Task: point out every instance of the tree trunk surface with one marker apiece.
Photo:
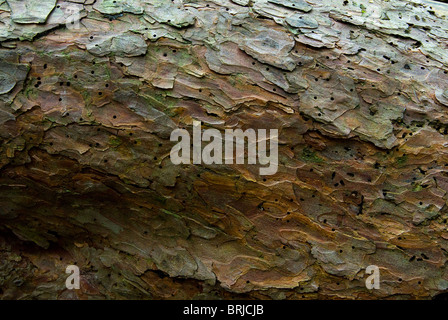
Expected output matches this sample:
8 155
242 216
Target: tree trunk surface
90 92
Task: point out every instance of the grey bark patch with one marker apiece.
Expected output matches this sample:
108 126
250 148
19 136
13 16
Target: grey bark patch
174 16
241 2
271 47
112 7
293 4
302 21
10 75
30 11
124 45
442 97
7 82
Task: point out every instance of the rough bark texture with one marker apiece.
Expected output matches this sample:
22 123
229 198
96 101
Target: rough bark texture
357 89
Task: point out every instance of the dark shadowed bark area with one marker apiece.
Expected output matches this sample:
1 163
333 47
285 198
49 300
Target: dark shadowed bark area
90 92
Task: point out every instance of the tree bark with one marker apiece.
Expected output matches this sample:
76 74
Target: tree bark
90 92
